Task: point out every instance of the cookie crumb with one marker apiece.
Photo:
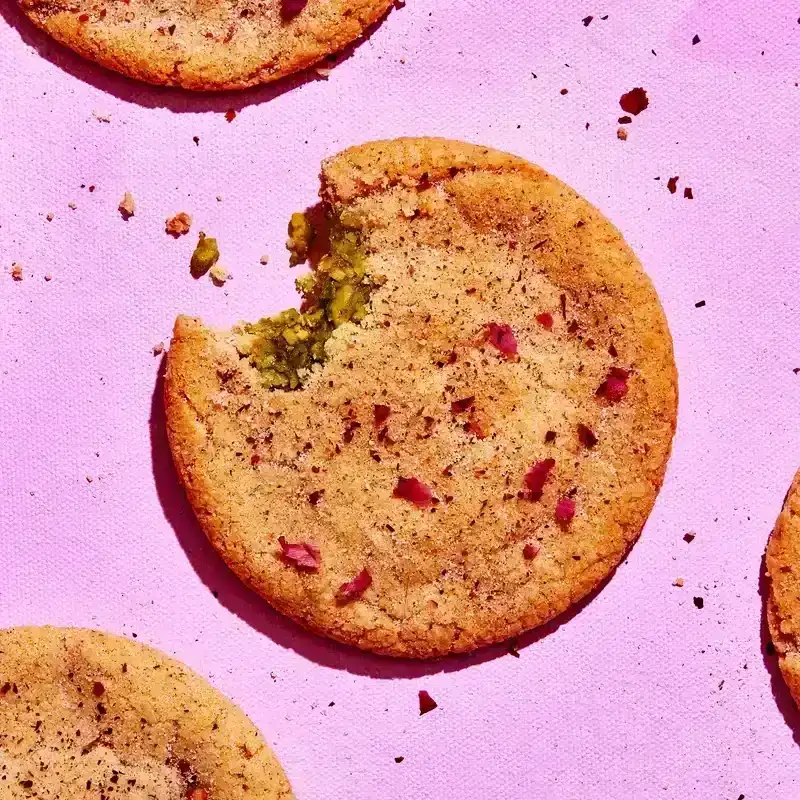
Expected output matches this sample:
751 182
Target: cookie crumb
698 602
695 39
49 216
622 134
72 206
89 479
179 224
126 206
700 304
323 72
689 537
263 260
587 21
688 194
672 184
230 115
48 277
16 271
219 198
678 582
564 91
101 117
398 759
196 140
158 349
219 275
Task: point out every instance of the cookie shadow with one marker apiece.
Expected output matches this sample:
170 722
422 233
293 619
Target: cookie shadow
175 99
259 615
780 691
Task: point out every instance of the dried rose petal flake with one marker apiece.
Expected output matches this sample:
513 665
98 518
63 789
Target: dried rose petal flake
586 437
565 510
530 551
536 477
460 406
353 589
634 102
502 337
301 555
545 320
426 703
615 386
381 414
414 491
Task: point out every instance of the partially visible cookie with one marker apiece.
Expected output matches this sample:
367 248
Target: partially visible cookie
87 714
205 44
464 428
783 601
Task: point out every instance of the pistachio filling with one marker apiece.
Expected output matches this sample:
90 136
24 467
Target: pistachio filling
285 346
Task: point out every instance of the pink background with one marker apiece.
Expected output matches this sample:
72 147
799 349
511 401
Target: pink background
625 699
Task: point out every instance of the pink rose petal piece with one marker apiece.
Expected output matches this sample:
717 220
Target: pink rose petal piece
536 477
302 555
381 414
545 320
565 510
426 703
414 491
353 589
460 406
615 386
502 337
530 551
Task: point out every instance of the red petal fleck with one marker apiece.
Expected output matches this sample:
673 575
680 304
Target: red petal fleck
460 406
381 414
353 589
197 794
537 475
615 386
634 102
672 184
230 115
475 428
565 510
426 703
302 555
530 551
414 491
545 320
586 437
688 194
502 337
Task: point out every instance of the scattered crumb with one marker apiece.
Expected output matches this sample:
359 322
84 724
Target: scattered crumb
622 134
72 206
230 115
699 303
689 537
688 194
796 370
91 189
672 184
179 224
89 479
158 349
126 206
219 275
587 21
635 101
323 72
264 260
196 140
273 676
564 91
398 759
626 120
678 582
698 602
16 271
695 39
101 117
48 277
219 198
49 216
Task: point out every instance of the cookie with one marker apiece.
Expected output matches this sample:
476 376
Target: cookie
783 600
204 45
463 431
87 714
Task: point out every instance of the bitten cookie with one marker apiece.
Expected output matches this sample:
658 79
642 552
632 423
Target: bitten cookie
87 714
783 601
463 430
205 45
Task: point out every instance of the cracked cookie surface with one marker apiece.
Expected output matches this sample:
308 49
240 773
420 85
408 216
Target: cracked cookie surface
473 456
87 714
205 45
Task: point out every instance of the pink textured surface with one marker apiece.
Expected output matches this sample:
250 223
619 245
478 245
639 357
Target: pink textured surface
624 700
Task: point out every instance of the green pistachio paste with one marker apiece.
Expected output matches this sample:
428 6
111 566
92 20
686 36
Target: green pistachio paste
286 345
205 255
